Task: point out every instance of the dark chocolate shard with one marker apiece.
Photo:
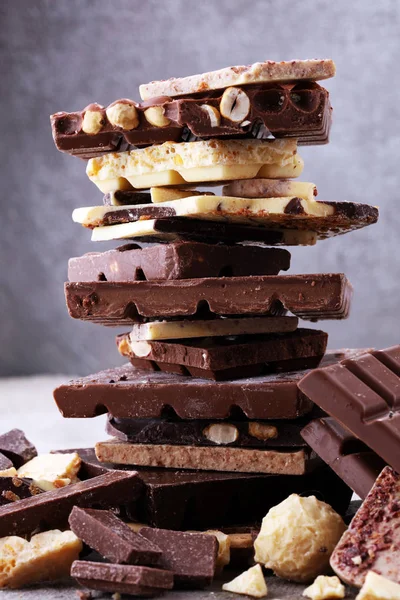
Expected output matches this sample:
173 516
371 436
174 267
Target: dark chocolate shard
13 489
102 531
352 460
17 447
5 463
192 557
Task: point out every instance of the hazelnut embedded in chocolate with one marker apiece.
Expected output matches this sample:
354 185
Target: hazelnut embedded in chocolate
123 114
221 433
155 116
234 105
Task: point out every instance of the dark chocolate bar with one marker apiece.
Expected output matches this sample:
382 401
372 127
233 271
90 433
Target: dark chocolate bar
181 260
102 531
363 395
120 197
17 447
5 462
299 110
13 489
124 579
132 393
313 297
352 460
51 509
230 357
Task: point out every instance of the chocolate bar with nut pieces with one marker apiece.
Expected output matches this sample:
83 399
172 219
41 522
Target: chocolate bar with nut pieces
13 489
313 297
363 395
17 447
233 357
262 111
352 460
180 260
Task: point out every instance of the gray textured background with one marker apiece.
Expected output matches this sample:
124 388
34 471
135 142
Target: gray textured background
63 55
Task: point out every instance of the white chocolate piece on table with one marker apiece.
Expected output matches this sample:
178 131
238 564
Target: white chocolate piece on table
52 471
249 583
325 588
270 188
377 587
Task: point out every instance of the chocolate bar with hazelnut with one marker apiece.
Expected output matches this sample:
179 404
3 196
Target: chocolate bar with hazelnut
179 260
300 110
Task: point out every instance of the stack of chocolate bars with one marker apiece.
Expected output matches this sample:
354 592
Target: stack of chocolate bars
208 405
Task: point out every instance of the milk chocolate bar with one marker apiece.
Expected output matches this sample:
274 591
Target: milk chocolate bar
222 358
313 297
192 557
124 579
301 111
126 392
363 395
352 460
371 542
51 509
17 447
13 489
180 260
102 531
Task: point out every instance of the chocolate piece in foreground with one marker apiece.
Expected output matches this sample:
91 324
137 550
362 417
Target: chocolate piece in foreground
17 447
13 489
239 434
180 260
51 509
192 557
312 297
102 531
372 540
124 579
126 392
352 460
229 357
245 460
363 395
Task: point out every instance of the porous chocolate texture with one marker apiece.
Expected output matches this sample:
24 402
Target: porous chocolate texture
301 110
181 260
312 297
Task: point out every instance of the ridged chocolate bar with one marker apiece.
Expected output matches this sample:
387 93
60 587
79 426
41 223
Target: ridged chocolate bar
181 260
126 392
363 394
313 297
352 460
233 357
299 110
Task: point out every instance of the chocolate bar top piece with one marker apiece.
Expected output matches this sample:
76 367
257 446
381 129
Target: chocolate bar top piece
313 297
190 556
243 434
372 540
352 460
124 579
17 447
129 392
5 463
295 110
363 395
102 531
259 72
180 260
51 509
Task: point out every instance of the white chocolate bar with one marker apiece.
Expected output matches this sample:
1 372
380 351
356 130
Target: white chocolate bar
166 194
260 72
270 188
203 161
52 471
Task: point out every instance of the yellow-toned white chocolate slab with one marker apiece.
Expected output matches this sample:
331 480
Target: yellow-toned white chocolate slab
52 471
168 330
166 194
259 72
270 188
176 163
11 472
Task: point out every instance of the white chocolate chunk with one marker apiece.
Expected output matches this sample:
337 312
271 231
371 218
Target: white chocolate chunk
270 188
250 583
377 587
170 330
165 194
52 471
224 548
47 557
11 472
259 72
325 588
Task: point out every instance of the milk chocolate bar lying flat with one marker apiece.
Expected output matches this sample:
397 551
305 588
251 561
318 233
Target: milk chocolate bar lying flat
352 460
129 392
17 447
372 541
299 110
222 358
319 296
124 579
363 394
51 509
181 260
